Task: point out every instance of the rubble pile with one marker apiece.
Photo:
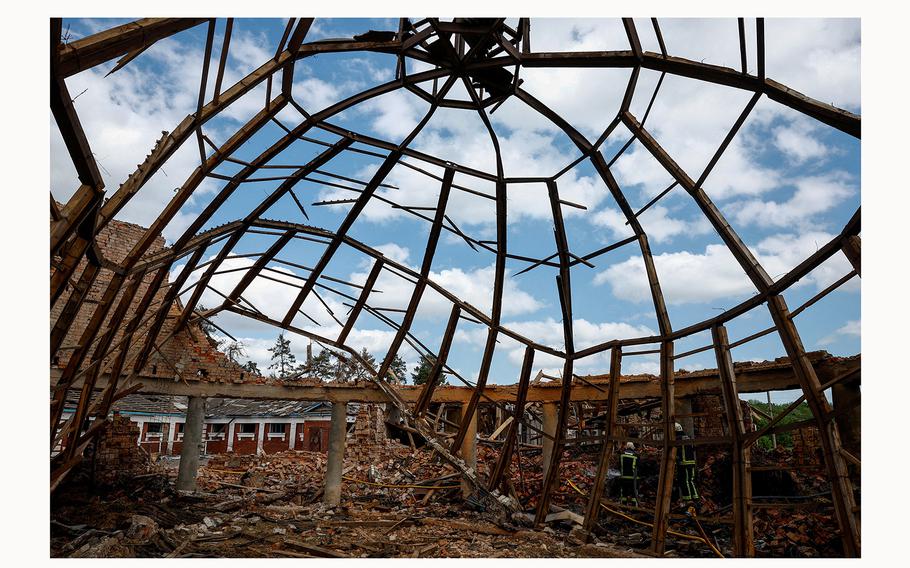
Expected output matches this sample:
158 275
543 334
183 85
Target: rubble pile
270 507
292 468
399 502
368 443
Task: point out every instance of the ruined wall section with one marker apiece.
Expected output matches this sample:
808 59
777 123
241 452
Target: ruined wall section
117 454
182 357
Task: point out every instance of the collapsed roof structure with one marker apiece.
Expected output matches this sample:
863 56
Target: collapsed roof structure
141 309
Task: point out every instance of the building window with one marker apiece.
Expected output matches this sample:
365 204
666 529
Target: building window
247 430
154 430
178 429
277 428
216 431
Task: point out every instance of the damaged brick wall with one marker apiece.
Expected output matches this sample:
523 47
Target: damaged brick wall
713 424
368 443
118 455
807 446
187 356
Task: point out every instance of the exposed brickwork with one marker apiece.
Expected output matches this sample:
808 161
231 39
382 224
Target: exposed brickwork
713 424
188 356
118 455
368 443
807 446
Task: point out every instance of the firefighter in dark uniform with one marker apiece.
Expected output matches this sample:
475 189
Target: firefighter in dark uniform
685 467
628 475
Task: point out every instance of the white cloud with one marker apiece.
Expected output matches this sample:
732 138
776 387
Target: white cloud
685 277
395 252
473 286
656 222
549 332
814 195
850 329
688 277
796 141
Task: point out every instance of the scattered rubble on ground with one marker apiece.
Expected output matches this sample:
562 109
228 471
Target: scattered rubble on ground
402 504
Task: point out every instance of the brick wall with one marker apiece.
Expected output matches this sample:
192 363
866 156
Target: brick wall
117 454
181 358
245 445
368 443
274 444
714 424
807 446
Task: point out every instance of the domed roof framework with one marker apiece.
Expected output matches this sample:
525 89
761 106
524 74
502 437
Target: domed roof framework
486 56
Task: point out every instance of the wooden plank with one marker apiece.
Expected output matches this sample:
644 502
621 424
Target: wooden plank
780 377
743 543
417 293
85 53
361 300
668 456
841 487
592 509
505 454
426 394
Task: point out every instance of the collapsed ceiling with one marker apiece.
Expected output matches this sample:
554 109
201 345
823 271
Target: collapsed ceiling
480 57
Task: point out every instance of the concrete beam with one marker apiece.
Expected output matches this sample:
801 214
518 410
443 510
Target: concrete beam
192 444
750 378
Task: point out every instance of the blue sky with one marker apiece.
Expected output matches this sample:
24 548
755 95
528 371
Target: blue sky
787 184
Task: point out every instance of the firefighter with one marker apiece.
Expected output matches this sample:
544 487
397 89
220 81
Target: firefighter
685 467
628 477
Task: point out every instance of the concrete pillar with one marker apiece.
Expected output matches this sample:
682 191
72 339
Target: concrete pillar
293 435
683 408
337 435
469 452
260 436
171 436
230 436
192 442
550 411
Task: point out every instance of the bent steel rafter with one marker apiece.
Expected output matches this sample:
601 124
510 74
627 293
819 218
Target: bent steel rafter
139 311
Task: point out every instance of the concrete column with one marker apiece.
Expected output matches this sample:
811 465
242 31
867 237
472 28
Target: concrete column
171 435
469 451
230 436
192 442
683 406
337 434
292 435
550 411
260 436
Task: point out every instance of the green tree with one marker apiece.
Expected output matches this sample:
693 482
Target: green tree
321 366
421 372
234 350
208 329
251 367
350 369
785 439
399 369
282 358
